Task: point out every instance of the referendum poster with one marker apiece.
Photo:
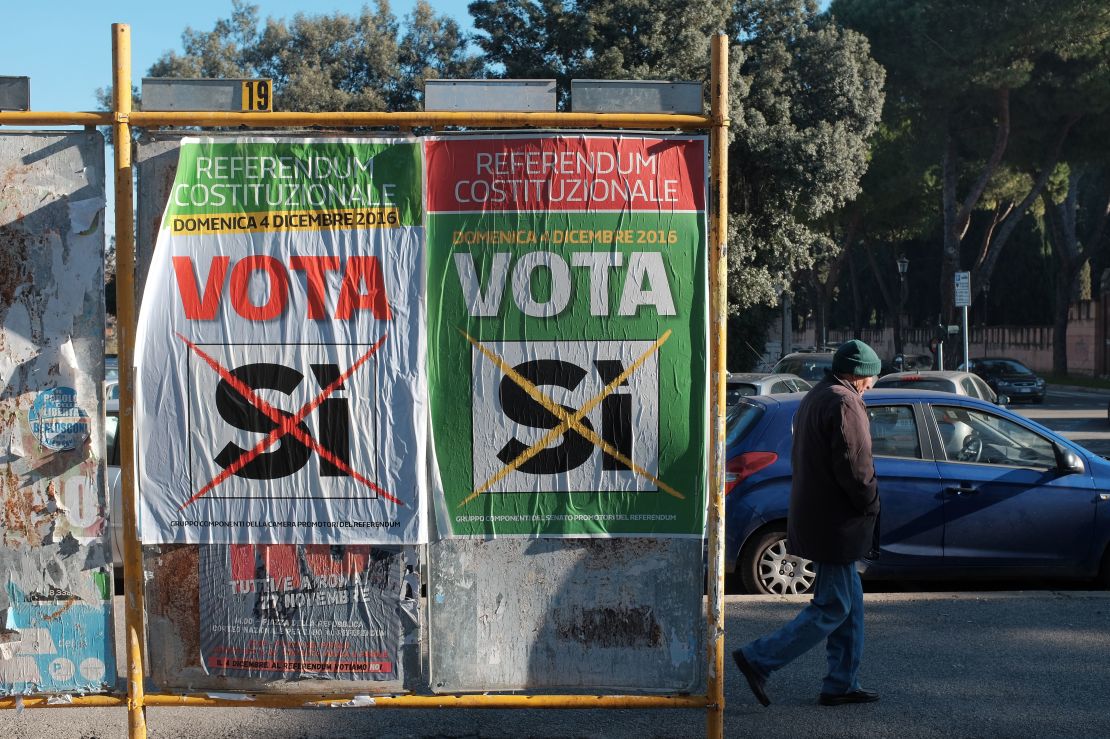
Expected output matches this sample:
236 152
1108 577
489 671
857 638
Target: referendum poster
301 611
567 334
280 350
56 601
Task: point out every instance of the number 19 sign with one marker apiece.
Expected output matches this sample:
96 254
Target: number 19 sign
567 334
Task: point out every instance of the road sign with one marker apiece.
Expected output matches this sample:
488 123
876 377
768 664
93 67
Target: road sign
963 289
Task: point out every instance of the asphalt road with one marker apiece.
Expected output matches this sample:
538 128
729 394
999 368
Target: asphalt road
1006 664
1077 413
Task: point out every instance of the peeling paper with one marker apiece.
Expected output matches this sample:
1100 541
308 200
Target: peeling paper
244 697
359 701
60 700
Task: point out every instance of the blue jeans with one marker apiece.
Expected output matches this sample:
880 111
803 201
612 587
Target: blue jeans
835 616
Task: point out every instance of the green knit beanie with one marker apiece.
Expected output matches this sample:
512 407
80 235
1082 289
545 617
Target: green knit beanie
854 357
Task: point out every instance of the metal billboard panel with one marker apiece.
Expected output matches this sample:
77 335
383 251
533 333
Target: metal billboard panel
15 93
165 94
620 614
506 96
56 605
636 96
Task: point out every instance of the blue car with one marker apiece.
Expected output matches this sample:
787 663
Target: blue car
968 490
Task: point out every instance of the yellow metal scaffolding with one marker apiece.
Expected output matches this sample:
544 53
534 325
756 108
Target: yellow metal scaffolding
122 119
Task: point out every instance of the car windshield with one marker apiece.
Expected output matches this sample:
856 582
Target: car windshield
737 390
809 368
741 420
1005 366
918 383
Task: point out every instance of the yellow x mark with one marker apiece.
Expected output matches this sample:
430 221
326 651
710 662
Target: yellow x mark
569 421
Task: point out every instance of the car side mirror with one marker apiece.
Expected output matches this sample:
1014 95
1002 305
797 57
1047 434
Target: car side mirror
1002 400
1067 461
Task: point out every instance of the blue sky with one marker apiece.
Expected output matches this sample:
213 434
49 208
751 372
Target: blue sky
65 47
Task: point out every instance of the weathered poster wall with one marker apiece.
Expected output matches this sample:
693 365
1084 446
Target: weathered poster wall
280 356
56 634
284 617
567 333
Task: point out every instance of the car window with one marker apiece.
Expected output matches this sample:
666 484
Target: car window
111 445
809 368
970 388
736 390
893 431
741 420
801 386
985 391
782 386
972 435
917 383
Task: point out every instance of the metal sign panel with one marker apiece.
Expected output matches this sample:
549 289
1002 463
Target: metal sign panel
963 289
515 96
15 93
54 554
636 96
284 618
607 614
282 287
236 95
567 347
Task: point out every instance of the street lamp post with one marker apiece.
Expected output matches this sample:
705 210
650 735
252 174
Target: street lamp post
903 267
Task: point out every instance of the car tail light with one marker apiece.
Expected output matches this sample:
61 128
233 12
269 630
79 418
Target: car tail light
747 464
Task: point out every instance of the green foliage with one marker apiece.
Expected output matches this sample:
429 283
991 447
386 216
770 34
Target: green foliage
330 62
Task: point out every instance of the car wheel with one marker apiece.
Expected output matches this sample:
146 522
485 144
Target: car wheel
766 568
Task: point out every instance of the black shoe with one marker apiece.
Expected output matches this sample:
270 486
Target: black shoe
755 682
855 696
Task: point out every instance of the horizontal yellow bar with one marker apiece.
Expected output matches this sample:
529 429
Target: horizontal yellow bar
38 118
279 700
271 700
427 119
74 701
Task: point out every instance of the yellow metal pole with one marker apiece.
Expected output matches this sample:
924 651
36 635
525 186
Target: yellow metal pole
125 302
718 284
38 118
149 119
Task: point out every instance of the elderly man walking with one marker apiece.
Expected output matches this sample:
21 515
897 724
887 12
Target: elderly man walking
834 510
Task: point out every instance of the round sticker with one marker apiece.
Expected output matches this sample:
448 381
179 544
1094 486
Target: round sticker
56 421
62 670
92 669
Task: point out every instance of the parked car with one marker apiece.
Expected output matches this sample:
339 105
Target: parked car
969 490
112 460
943 381
742 384
806 365
906 362
1009 377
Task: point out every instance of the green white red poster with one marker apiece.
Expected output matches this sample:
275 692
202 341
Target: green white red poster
280 352
567 333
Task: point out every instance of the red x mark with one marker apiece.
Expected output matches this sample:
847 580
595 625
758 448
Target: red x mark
283 425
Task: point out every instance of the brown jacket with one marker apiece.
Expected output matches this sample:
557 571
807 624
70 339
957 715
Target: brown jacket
834 498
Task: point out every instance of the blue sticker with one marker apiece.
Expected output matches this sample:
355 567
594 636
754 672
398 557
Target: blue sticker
56 421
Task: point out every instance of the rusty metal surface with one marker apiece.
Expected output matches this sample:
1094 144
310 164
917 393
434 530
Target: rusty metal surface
54 557
566 614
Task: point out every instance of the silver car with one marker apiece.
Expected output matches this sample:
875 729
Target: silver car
742 384
945 381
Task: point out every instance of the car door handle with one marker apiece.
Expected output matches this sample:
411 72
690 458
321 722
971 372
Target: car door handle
961 490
